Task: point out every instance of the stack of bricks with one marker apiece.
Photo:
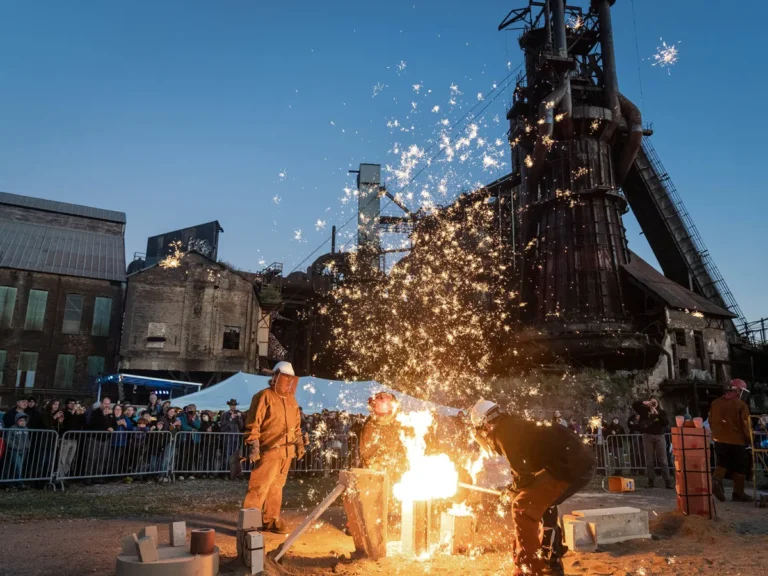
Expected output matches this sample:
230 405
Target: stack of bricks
250 542
145 543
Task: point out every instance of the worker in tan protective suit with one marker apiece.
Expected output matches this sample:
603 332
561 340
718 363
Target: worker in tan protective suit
273 432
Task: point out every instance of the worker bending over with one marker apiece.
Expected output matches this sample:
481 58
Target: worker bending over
549 465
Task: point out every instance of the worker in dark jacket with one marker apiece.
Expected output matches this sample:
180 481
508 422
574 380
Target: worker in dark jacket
380 445
729 422
549 465
273 432
653 425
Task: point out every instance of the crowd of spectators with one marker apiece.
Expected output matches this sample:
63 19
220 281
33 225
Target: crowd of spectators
123 440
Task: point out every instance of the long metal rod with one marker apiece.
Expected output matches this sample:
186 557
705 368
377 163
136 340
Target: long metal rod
479 489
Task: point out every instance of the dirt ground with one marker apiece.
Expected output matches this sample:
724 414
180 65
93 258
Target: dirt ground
78 532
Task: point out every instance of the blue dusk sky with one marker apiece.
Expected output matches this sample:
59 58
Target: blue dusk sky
252 113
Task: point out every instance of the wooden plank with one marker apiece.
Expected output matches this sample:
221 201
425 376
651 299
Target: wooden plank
322 507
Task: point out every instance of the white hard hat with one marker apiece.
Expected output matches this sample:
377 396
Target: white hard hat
481 411
284 368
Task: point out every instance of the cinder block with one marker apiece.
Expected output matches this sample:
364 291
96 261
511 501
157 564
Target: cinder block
150 531
252 540
130 545
249 519
578 536
148 549
616 524
178 531
254 561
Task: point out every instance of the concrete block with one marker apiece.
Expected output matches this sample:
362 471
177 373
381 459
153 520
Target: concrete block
579 535
150 531
148 549
457 532
252 540
254 561
178 532
249 519
616 524
130 545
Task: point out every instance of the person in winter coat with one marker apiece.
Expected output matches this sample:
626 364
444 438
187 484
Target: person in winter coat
232 422
119 440
154 407
614 436
97 446
729 422
653 424
9 418
18 443
549 464
273 429
35 416
189 444
557 418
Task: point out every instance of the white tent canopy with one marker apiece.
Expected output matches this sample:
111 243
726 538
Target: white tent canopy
312 394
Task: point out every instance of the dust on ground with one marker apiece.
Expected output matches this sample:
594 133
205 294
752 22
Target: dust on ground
43 534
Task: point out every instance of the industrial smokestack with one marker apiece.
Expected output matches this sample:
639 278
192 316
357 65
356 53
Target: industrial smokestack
609 62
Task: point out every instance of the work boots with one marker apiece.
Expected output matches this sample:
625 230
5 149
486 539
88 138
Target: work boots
738 489
717 483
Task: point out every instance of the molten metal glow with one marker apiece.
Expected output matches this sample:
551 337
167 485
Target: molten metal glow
427 477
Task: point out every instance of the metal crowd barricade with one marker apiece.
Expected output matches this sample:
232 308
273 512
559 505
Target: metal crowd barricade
204 453
625 453
29 455
88 455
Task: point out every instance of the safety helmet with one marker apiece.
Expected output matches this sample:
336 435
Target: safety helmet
739 384
383 404
284 368
484 412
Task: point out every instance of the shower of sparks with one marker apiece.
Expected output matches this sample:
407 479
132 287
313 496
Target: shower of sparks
377 89
435 109
480 97
320 224
435 321
417 87
282 174
402 66
575 22
666 55
173 260
276 199
297 235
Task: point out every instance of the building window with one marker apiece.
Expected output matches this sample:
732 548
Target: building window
2 365
73 311
95 367
156 335
101 315
36 310
231 338
25 375
7 304
698 340
683 367
65 371
680 337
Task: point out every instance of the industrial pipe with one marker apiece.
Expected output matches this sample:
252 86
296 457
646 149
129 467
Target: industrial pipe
609 62
546 129
632 147
558 20
561 50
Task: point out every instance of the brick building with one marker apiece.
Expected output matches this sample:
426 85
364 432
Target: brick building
62 273
200 321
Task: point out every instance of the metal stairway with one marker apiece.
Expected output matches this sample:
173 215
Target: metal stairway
672 234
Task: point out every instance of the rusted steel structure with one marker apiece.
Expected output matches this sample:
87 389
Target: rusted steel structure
574 139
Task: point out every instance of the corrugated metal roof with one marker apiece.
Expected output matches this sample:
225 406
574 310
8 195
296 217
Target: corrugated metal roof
27 246
62 207
669 291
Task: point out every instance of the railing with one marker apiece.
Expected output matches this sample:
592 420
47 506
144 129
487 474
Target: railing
40 456
28 455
